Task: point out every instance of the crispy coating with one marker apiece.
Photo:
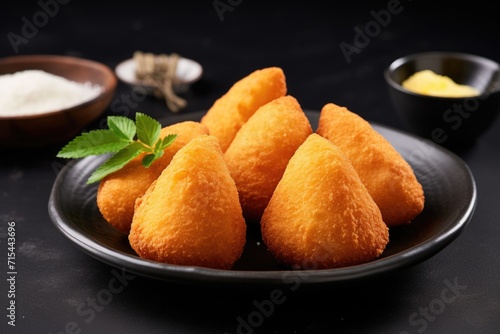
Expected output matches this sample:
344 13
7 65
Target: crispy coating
191 214
118 191
321 216
230 111
258 155
387 176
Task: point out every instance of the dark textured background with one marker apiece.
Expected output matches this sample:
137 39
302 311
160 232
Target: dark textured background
303 38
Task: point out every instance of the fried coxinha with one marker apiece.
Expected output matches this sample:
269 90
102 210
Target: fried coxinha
117 192
191 215
390 180
233 109
321 216
259 153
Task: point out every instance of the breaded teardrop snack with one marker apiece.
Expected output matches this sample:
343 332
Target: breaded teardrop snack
230 111
385 173
118 191
191 214
321 216
258 155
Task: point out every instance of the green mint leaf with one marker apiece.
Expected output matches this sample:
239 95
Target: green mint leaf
148 160
158 154
119 139
148 129
165 142
94 142
116 162
123 127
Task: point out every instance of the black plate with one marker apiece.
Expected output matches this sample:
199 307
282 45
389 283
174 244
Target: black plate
449 188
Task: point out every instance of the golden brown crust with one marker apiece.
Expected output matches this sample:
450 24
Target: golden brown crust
321 216
191 214
229 112
118 191
387 176
258 155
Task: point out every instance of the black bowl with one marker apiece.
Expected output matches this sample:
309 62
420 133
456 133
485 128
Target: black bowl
449 121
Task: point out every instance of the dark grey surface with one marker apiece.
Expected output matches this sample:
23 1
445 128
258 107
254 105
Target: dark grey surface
59 287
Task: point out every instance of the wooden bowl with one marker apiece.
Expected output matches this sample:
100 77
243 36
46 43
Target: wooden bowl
42 129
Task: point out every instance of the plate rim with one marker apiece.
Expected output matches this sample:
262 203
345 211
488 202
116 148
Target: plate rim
201 275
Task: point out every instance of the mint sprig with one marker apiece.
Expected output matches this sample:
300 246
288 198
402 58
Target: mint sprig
120 140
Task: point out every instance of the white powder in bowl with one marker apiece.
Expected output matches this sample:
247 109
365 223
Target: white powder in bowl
35 91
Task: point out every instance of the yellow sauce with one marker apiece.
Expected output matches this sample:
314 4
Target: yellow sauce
429 83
